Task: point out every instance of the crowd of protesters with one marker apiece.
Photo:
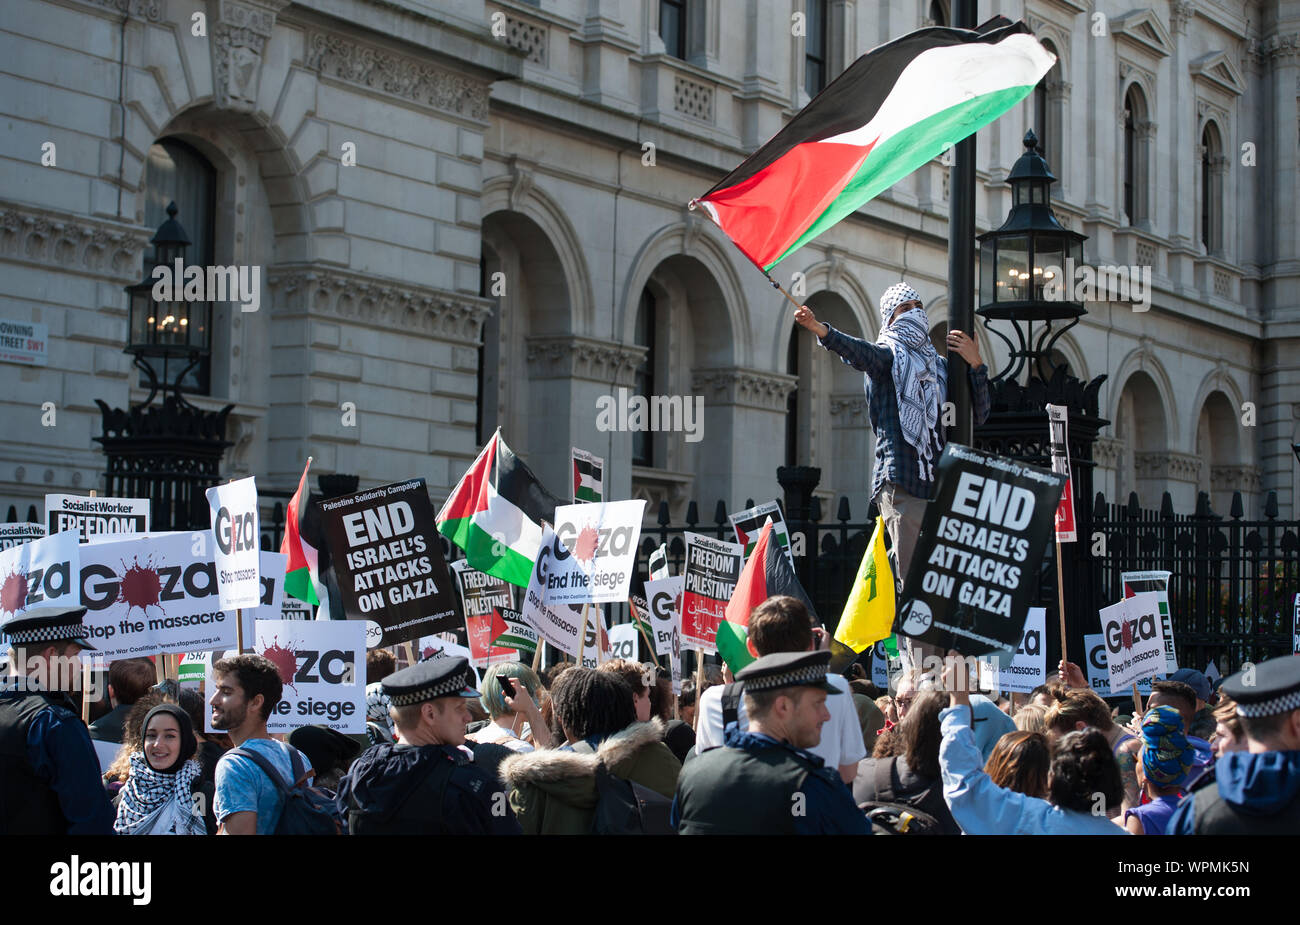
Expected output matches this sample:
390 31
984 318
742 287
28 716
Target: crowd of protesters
786 746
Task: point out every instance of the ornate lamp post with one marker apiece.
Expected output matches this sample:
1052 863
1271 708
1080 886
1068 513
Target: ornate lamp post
169 452
1019 263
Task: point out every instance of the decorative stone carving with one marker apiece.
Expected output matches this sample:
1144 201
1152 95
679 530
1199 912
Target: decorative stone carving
409 78
521 180
849 409
143 9
1245 479
106 249
352 297
239 32
1181 467
750 387
692 98
1108 451
566 356
1274 46
1180 14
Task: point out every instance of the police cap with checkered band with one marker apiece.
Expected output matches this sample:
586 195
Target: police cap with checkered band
1267 689
63 625
439 677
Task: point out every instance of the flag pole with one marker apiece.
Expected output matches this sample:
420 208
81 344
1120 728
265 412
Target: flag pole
777 286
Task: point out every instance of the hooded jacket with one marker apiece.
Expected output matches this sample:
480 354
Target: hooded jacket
553 791
1252 794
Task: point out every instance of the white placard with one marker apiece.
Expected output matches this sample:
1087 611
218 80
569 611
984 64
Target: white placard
558 624
96 516
1028 667
322 664
12 535
236 528
664 596
39 577
623 641
1098 677
1135 647
602 542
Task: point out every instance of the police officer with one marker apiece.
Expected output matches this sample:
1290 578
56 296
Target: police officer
425 784
49 775
764 781
1257 791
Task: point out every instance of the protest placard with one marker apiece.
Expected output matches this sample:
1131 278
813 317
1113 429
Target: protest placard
193 667
518 635
558 624
709 579
270 605
12 535
387 556
236 527
595 647
1058 417
588 477
484 598
1028 667
158 593
880 666
40 576
623 641
438 646
602 541
974 570
664 596
748 524
1155 583
91 516
322 664
1295 627
1135 648
1099 677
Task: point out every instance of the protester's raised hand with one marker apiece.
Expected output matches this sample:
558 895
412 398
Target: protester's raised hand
1071 674
804 317
965 347
955 679
520 702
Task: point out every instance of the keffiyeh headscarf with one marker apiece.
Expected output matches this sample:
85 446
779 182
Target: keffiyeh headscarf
377 704
1166 754
918 380
160 802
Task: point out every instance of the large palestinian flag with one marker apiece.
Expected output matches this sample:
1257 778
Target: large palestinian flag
495 511
891 111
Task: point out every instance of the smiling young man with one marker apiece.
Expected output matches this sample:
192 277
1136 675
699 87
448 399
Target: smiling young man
765 781
246 690
906 383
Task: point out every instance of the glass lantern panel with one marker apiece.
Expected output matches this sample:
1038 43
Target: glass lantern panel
1048 262
1012 276
989 291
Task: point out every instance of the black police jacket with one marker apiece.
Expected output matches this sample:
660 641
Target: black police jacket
422 790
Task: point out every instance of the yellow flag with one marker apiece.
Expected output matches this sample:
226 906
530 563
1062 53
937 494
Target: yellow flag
869 612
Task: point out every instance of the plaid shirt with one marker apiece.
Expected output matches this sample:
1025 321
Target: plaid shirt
896 459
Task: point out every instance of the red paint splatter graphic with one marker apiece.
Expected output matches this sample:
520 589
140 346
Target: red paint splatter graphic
140 586
584 548
1126 634
13 593
677 605
285 661
428 652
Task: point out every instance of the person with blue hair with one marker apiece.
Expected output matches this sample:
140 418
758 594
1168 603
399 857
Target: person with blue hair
516 722
1162 768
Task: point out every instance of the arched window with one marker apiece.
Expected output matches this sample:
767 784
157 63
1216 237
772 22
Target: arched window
672 27
1046 114
1211 189
938 13
1137 131
643 440
792 402
176 172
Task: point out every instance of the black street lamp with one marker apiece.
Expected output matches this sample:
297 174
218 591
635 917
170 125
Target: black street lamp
171 327
1026 267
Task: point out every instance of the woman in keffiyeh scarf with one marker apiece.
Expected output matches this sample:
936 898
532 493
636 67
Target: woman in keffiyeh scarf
157 798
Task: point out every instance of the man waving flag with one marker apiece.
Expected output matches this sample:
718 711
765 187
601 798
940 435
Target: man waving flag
891 111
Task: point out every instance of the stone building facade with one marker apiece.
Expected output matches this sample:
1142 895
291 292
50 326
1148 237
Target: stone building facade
471 214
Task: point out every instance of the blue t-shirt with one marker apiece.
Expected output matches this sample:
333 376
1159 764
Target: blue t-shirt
241 786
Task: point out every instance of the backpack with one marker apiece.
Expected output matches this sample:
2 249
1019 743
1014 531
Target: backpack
306 810
624 807
914 814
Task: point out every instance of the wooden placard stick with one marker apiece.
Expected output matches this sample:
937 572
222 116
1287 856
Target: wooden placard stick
1060 597
582 636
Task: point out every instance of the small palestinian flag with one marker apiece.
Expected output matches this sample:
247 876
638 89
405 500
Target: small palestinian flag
301 536
890 112
767 572
588 477
495 511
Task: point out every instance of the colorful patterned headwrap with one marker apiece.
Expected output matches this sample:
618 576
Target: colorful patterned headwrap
1166 754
